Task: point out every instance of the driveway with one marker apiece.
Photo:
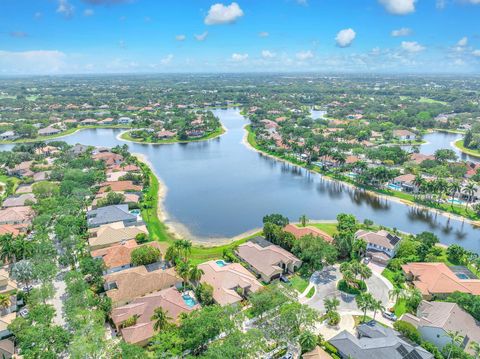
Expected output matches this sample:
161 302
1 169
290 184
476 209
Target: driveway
326 287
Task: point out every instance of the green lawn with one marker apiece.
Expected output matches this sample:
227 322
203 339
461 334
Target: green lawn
430 100
311 292
400 307
299 283
459 144
329 228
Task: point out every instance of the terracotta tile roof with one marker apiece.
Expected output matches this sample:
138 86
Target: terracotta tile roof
317 353
119 186
120 254
420 157
144 307
437 278
109 158
7 284
126 168
8 228
15 215
403 133
138 281
113 176
407 178
300 232
266 260
226 279
113 233
18 201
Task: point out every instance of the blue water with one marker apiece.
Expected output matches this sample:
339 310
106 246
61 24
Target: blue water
135 211
221 263
462 276
395 187
191 302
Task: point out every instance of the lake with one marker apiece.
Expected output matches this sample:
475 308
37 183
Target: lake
219 188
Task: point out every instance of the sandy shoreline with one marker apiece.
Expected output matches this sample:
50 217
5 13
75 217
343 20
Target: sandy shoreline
381 196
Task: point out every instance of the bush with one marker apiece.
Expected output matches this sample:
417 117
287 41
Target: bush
141 238
408 330
330 349
333 318
344 287
145 255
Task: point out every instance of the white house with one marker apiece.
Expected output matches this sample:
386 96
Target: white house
381 245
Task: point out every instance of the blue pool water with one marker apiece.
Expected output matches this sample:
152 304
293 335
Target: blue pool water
462 276
189 300
135 212
454 201
221 263
394 187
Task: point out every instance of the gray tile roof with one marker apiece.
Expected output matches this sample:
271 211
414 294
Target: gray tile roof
377 342
110 214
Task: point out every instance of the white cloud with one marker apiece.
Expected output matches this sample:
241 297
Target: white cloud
266 54
398 7
166 60
239 57
32 62
180 37
65 8
263 34
304 55
345 37
463 41
223 14
404 31
202 36
412 46
476 53
88 12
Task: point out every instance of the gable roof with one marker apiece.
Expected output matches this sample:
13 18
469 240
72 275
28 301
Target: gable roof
112 233
14 215
110 214
381 238
377 342
301 232
437 278
265 259
169 299
138 281
18 201
119 186
225 279
120 254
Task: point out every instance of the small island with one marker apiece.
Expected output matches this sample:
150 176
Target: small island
470 144
176 126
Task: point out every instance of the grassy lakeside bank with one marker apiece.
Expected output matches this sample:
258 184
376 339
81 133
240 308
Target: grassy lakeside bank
459 145
70 131
405 198
218 132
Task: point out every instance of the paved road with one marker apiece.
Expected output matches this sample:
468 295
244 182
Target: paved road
326 287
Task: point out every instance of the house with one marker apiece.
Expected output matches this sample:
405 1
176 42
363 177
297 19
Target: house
110 214
373 341
119 186
118 257
7 285
300 232
434 320
143 308
88 121
41 176
404 135
126 168
9 229
19 201
381 245
230 281
48 131
122 287
78 149
5 321
46 150
406 182
16 215
418 158
24 188
268 260
164 134
114 176
21 170
110 158
316 353
130 198
8 136
7 348
124 120
437 279
112 234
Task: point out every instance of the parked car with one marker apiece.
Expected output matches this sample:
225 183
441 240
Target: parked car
389 316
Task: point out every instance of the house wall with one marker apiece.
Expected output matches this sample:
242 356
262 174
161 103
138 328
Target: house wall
435 335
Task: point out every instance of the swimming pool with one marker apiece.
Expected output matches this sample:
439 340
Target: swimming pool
191 302
221 263
135 212
395 187
454 201
462 276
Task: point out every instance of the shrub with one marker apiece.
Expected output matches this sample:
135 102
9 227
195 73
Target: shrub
329 348
408 330
145 255
333 318
141 238
344 287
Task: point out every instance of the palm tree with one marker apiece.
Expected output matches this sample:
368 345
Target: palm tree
377 305
160 318
331 304
183 270
364 271
364 302
307 341
303 220
455 187
195 273
476 349
395 293
4 301
418 181
456 339
469 190
186 248
7 248
349 277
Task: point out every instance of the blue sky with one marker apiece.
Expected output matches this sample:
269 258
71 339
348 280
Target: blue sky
129 36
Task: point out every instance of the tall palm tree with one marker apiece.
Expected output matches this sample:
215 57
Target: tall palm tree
364 302
7 248
195 273
418 181
4 301
160 318
186 248
364 271
331 304
469 190
455 188
303 220
456 339
476 349
183 270
377 305
395 293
